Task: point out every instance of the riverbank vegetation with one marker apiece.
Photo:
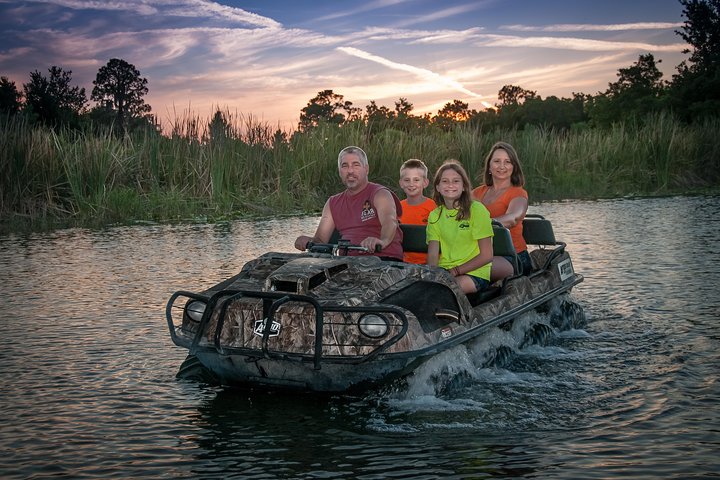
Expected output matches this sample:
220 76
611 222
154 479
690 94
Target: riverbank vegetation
62 164
88 178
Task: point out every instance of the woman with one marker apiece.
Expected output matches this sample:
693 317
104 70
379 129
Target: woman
507 201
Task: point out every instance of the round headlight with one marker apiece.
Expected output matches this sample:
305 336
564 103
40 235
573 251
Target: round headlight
373 325
195 310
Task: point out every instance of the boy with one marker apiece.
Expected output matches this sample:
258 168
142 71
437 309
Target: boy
416 207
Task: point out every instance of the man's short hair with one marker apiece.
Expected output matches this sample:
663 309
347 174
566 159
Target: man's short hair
352 150
414 163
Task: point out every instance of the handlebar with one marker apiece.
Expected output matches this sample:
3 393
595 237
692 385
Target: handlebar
335 249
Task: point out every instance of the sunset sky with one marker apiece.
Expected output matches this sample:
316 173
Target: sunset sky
267 59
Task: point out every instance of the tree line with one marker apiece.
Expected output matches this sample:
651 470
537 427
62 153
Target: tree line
51 100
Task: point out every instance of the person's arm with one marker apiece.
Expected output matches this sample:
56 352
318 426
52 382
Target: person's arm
433 253
387 214
323 232
484 257
517 208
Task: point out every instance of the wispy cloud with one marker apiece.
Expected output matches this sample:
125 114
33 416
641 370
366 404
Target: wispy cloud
441 14
420 36
144 8
366 7
576 27
196 8
570 43
554 74
425 74
178 8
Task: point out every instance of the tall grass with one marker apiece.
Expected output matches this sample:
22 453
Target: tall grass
90 177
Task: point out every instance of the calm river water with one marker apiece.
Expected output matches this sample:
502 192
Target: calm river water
88 387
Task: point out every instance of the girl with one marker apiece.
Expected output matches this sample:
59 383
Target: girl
460 228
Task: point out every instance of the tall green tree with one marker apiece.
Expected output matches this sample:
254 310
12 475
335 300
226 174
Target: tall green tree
511 98
378 118
380 114
404 118
638 91
695 88
702 32
552 112
52 100
327 106
641 79
403 107
452 113
219 129
10 97
119 87
513 95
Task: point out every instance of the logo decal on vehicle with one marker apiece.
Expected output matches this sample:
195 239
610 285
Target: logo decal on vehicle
565 269
260 328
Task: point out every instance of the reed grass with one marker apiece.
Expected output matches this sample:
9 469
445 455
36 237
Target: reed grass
253 169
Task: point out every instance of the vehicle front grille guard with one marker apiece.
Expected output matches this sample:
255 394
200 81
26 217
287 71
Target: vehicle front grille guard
272 301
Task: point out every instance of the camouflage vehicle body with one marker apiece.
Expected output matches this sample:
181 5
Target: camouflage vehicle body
327 323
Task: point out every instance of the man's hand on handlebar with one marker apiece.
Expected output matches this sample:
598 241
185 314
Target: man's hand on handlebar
369 245
301 243
372 244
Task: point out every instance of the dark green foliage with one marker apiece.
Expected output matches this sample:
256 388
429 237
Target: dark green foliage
695 90
638 91
10 97
452 114
327 106
119 90
52 101
702 32
513 95
89 178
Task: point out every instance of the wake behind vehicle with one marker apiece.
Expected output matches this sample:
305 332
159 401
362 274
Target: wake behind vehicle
326 322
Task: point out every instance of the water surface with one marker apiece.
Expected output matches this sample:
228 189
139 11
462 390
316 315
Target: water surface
88 369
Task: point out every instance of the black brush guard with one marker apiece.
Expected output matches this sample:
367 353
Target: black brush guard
271 302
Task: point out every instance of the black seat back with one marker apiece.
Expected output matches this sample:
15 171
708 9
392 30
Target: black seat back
538 231
414 238
503 245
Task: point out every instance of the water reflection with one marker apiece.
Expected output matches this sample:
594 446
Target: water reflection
89 388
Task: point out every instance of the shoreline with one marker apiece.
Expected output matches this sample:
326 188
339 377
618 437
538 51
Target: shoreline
24 224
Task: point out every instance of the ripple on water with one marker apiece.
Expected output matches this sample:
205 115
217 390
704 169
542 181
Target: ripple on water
89 388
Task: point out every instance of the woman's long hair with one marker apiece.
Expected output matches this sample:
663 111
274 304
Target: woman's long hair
465 201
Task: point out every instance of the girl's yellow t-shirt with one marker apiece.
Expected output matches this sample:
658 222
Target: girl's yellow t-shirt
459 239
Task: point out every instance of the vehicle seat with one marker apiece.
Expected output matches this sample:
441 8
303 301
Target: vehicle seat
538 231
414 238
503 245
